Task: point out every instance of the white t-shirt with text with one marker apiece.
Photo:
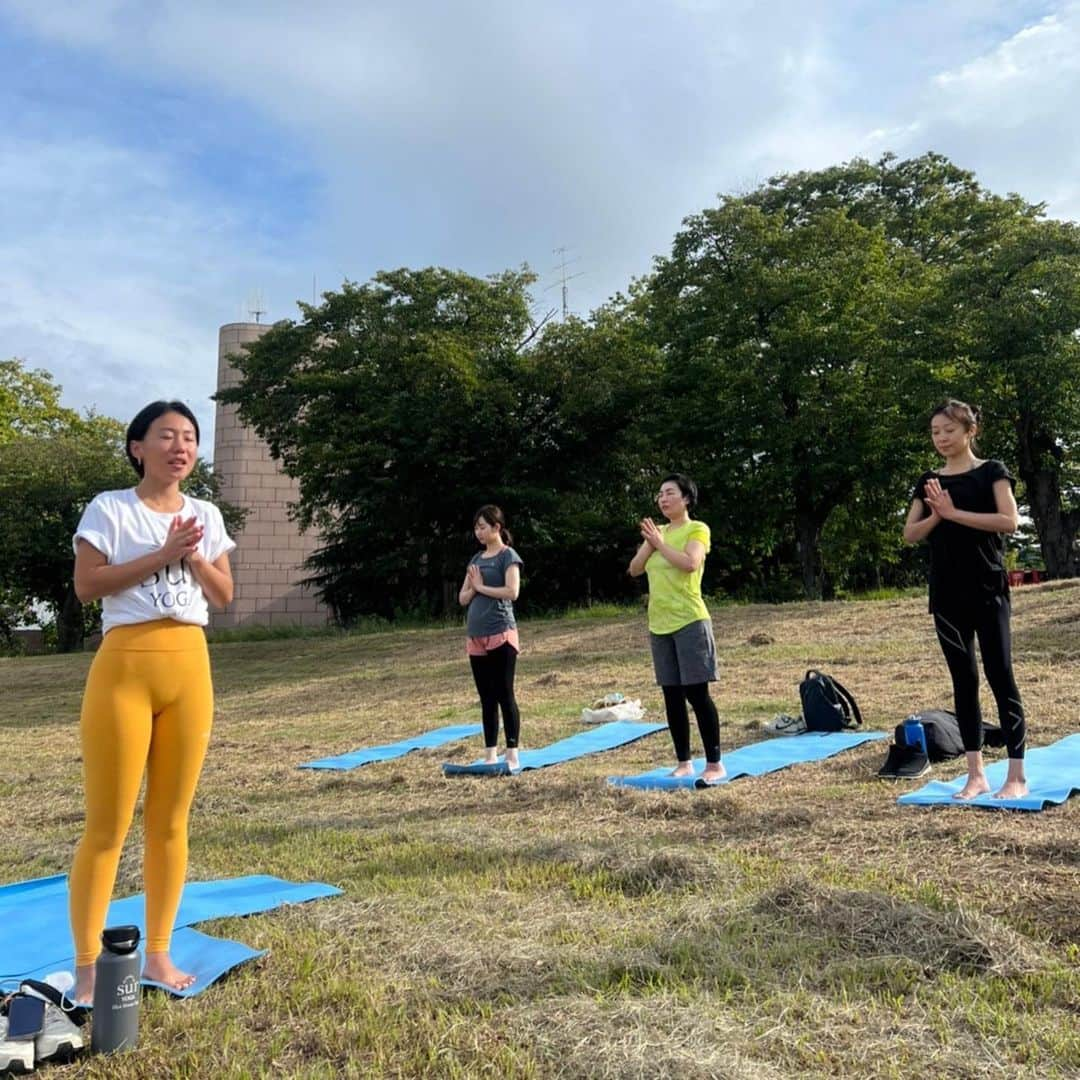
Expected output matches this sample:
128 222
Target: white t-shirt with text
122 527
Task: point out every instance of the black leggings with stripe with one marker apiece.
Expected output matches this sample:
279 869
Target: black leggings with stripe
957 630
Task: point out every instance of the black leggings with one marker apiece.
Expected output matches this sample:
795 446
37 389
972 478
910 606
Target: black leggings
494 675
708 722
956 631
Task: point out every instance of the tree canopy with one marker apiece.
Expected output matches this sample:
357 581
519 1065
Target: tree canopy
786 353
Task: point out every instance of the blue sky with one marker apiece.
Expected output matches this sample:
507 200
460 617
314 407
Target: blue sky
163 160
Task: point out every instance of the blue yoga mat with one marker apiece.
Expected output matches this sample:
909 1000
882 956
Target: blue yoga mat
366 755
755 760
205 957
1053 774
593 741
35 936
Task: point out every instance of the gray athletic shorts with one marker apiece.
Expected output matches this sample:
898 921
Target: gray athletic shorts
686 657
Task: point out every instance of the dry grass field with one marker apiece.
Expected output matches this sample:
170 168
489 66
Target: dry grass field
796 925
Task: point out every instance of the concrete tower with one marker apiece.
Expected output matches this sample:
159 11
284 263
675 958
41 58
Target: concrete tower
268 562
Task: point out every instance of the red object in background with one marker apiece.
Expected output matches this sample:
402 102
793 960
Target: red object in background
1025 577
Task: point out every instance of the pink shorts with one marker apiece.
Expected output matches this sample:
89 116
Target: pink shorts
481 646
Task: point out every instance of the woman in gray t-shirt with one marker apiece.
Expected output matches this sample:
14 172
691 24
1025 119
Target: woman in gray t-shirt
491 585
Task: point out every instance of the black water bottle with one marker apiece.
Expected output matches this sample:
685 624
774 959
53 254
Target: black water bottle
116 991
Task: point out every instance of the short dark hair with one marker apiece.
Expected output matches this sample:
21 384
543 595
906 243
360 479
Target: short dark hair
138 427
685 485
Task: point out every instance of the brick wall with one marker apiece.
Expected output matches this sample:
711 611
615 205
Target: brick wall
270 550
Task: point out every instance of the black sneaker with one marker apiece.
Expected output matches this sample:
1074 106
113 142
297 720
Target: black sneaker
904 763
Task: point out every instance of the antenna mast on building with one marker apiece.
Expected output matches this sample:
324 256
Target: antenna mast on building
564 276
256 305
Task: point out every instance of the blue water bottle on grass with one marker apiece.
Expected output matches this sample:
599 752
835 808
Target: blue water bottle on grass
915 733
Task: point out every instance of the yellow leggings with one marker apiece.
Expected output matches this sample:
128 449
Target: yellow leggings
148 706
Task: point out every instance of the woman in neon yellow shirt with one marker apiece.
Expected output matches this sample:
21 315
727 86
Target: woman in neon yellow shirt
680 630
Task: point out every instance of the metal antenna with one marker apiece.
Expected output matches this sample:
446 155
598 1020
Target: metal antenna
564 277
256 307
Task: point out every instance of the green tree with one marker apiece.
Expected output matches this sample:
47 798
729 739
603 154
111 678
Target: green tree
15 611
388 403
927 206
782 396
992 314
403 404
30 403
1017 304
582 466
45 483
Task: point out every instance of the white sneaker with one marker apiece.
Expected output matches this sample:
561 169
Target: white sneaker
786 725
59 1038
16 1055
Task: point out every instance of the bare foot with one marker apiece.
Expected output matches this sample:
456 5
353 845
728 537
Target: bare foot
685 768
1012 789
159 968
1015 786
713 773
512 759
491 755
84 985
976 785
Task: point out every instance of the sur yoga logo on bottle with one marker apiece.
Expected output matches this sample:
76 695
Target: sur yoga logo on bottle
116 991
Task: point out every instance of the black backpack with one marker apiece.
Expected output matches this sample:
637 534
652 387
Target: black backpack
826 705
943 740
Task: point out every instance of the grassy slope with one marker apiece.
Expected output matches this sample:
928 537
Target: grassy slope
799 923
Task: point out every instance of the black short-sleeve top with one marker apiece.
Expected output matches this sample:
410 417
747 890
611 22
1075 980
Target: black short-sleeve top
966 564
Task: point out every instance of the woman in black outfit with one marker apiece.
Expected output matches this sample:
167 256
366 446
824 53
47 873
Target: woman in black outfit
963 510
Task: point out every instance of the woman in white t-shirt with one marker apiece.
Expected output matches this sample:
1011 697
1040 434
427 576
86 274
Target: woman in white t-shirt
155 558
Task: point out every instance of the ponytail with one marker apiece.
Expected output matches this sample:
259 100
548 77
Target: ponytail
496 518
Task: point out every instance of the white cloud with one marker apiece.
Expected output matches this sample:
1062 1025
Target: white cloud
484 134
111 277
478 135
1009 113
1020 66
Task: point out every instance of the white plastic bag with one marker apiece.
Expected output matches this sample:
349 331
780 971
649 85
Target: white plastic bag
624 710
